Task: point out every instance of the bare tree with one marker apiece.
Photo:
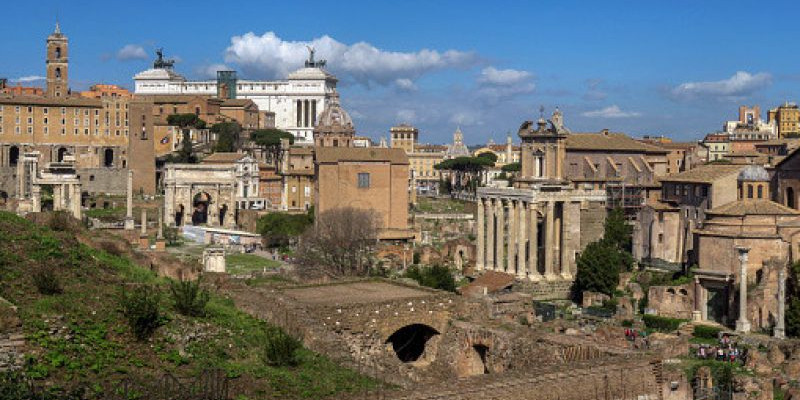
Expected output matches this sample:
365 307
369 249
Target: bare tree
339 244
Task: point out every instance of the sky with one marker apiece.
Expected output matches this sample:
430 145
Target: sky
675 68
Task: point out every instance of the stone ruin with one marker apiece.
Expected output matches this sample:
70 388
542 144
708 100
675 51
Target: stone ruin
431 343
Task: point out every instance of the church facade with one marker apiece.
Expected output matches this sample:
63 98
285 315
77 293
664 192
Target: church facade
536 229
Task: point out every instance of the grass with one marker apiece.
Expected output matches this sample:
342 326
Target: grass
79 338
439 206
242 263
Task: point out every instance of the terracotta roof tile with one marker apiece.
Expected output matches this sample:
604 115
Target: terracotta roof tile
374 154
753 207
704 174
609 142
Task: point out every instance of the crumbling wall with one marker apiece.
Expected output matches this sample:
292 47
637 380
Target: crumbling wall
12 340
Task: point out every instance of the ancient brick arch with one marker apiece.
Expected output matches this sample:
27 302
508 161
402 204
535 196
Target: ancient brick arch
414 343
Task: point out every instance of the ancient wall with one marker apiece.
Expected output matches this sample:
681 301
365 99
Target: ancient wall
104 180
593 216
672 301
12 340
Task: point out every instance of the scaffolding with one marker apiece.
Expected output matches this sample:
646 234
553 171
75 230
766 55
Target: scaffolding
630 198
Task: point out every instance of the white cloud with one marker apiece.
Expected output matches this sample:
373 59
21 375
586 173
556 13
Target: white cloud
269 56
496 84
467 118
407 116
29 78
131 52
503 77
610 112
210 71
740 84
405 84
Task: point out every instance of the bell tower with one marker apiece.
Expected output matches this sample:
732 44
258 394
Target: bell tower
57 64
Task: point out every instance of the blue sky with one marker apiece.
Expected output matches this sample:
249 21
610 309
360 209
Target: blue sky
677 68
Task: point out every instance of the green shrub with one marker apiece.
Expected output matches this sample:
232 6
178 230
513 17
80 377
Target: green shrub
46 280
627 323
189 298
707 332
140 307
280 349
437 277
661 324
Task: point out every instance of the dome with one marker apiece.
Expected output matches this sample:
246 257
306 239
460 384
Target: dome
753 173
334 114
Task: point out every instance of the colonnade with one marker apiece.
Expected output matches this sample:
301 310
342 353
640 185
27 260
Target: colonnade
513 239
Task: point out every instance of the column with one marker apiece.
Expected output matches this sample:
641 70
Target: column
533 243
568 235
780 329
490 235
742 324
522 212
144 222
36 198
548 241
512 237
697 313
499 257
129 203
558 227
480 247
160 224
58 202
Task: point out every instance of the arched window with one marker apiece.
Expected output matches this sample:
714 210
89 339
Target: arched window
58 52
749 191
13 155
760 191
61 153
58 73
108 158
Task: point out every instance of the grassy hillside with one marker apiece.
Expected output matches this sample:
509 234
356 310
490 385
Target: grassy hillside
80 338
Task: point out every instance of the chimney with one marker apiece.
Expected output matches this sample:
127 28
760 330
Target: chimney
604 132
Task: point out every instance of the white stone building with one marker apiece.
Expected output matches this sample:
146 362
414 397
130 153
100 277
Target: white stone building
297 102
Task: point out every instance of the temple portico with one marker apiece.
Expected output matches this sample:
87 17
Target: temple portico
531 234
536 229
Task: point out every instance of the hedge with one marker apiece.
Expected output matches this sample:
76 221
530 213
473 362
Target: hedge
662 324
707 332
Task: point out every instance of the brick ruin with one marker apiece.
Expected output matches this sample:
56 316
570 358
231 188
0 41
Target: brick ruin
431 343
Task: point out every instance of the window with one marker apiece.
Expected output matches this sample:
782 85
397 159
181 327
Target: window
363 180
45 120
44 110
30 130
46 131
63 110
749 191
30 120
660 238
760 191
705 191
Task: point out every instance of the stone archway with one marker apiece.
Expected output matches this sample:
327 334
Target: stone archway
223 211
473 361
108 158
200 203
409 342
13 156
62 151
179 215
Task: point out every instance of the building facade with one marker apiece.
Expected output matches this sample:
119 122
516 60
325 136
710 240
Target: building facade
374 179
786 118
296 102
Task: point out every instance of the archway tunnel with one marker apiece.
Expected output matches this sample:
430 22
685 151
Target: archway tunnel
409 342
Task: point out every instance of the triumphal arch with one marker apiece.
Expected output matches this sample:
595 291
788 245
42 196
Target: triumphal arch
210 193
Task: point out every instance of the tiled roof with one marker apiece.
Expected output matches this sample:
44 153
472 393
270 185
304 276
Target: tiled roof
609 142
491 280
220 158
236 102
753 207
51 101
336 154
704 174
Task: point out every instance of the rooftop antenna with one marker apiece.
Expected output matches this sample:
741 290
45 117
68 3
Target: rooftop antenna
541 111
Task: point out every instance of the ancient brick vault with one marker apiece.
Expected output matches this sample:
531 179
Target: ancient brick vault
433 344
